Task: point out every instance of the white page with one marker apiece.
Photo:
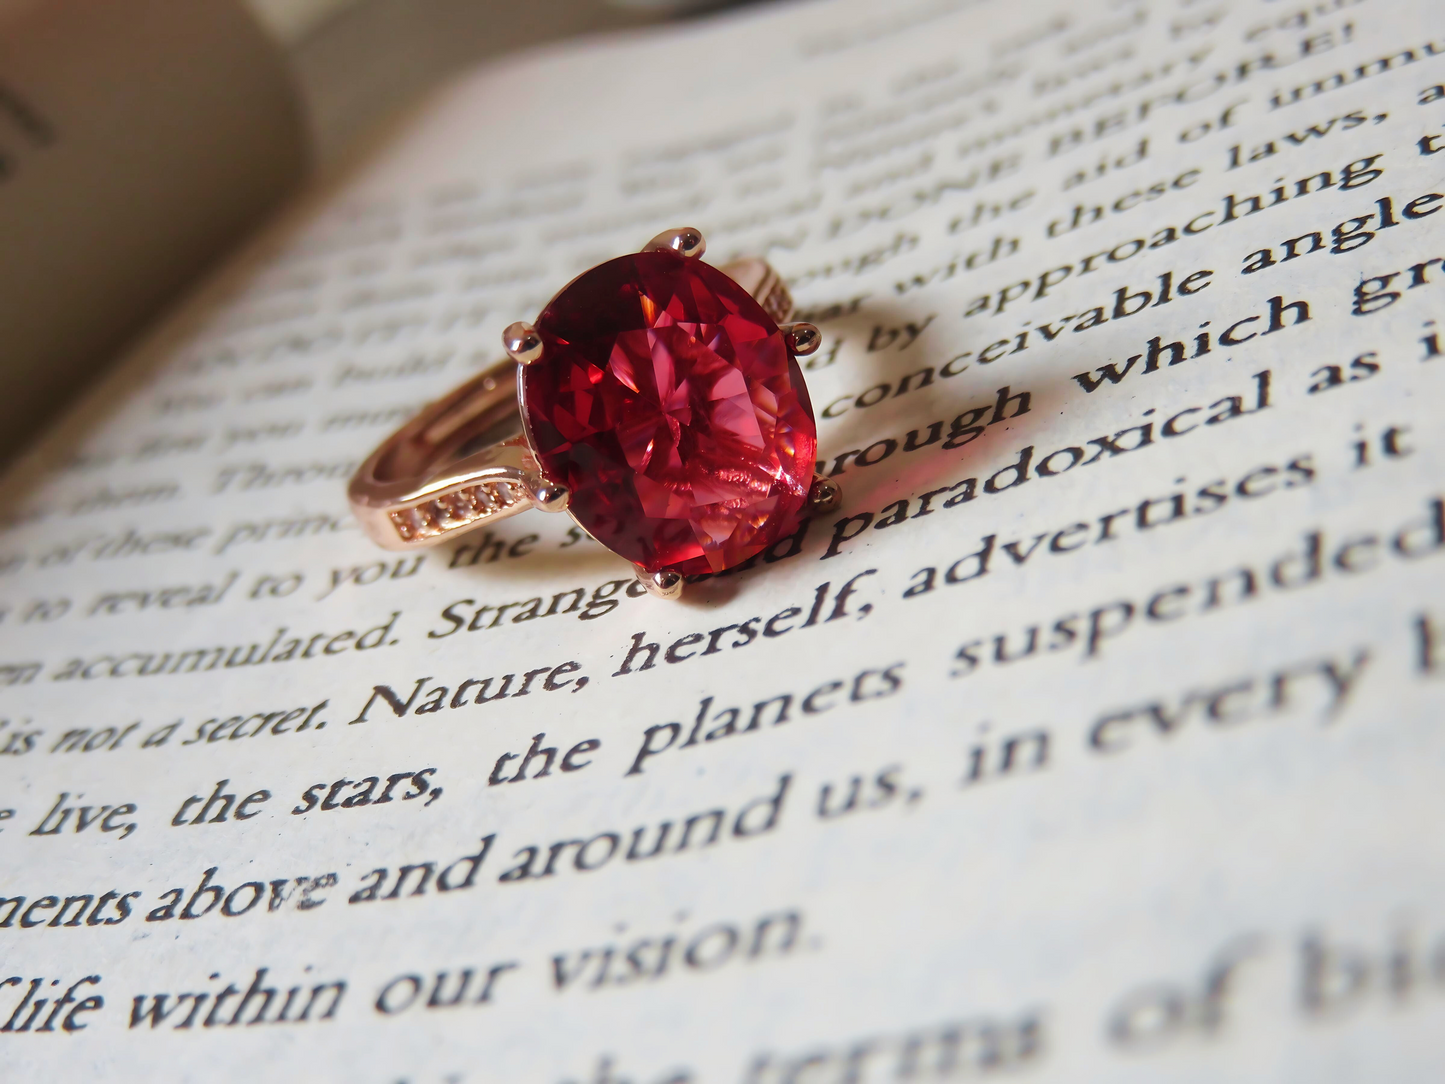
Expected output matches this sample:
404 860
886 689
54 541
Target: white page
1188 837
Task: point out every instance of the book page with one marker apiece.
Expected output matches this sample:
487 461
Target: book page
1094 737
139 142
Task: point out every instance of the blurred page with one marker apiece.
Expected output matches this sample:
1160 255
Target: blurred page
138 141
1095 737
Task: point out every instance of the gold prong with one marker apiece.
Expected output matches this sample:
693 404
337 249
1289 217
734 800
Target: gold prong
802 339
824 495
522 343
549 497
685 241
664 584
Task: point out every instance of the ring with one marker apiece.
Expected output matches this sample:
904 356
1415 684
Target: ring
657 399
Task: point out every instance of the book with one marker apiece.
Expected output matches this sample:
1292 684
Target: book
1094 736
137 142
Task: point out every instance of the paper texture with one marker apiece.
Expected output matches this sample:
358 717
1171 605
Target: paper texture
1096 737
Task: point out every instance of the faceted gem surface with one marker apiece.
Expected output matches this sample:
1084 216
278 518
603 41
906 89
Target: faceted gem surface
666 400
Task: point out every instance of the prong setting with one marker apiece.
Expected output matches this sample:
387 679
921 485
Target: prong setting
665 584
522 343
685 241
824 495
551 498
802 339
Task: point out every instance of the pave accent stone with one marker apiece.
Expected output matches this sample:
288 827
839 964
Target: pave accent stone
446 513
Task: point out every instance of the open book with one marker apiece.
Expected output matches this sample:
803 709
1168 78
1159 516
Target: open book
1095 737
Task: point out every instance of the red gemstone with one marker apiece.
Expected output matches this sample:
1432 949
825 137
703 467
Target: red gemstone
668 403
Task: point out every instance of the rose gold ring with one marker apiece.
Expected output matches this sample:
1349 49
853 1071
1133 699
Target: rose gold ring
657 399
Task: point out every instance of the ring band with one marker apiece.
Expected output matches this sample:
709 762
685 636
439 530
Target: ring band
477 455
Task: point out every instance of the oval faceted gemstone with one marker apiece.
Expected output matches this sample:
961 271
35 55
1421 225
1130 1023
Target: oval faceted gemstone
667 402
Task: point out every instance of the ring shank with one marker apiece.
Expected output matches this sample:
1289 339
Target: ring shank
461 463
